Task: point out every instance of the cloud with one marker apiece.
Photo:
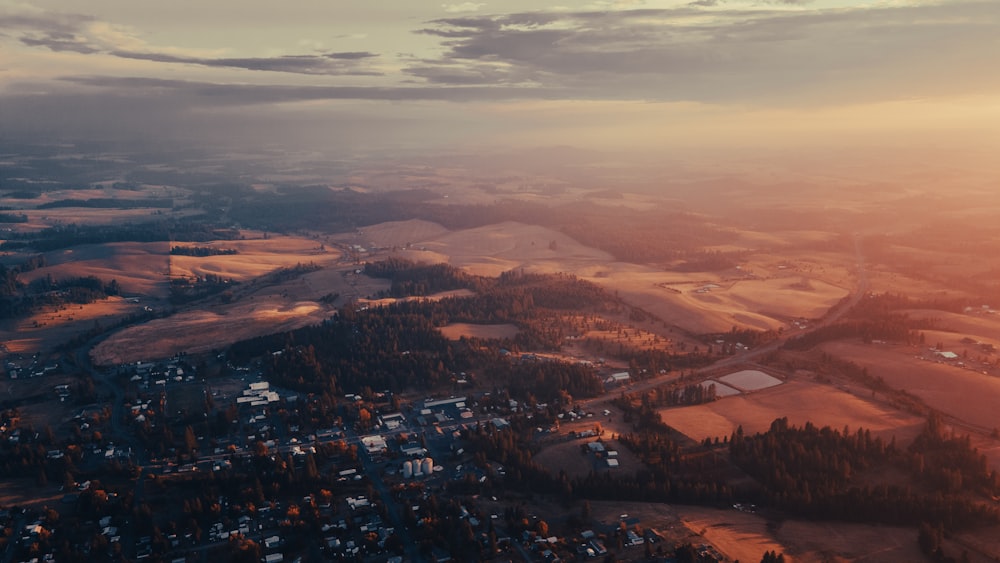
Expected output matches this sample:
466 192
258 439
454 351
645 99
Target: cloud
757 55
324 64
89 36
57 43
754 56
57 32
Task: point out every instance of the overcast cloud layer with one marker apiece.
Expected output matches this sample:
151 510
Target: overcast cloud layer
735 55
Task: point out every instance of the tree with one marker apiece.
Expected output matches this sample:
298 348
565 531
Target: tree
190 440
686 554
312 473
928 538
244 550
364 418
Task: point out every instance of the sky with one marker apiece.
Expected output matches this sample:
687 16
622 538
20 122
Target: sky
408 74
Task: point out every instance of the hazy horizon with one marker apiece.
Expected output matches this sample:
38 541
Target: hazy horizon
787 82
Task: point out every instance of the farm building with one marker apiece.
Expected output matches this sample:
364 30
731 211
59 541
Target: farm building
618 378
444 402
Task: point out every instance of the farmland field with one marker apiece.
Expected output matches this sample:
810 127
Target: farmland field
801 402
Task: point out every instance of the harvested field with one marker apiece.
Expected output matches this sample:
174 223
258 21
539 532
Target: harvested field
139 267
195 332
979 325
746 537
842 541
743 300
737 535
255 257
748 303
39 219
494 249
258 309
145 268
396 233
801 402
963 393
890 280
46 329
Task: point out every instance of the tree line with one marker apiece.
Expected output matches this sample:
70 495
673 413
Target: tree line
400 346
202 251
109 203
816 472
67 236
18 299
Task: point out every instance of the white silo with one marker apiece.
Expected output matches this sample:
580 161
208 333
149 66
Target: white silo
407 469
427 466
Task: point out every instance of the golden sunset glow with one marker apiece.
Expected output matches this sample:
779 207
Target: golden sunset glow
406 281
